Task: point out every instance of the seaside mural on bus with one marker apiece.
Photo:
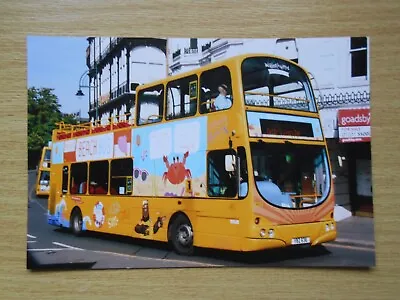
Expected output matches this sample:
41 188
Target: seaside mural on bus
169 159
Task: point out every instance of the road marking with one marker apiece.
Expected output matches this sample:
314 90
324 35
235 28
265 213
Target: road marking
31 236
354 242
350 247
49 249
37 202
30 192
159 259
31 242
66 246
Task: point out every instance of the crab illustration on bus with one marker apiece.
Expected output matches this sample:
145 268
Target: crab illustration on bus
176 172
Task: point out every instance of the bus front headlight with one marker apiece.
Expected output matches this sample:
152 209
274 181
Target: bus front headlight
271 233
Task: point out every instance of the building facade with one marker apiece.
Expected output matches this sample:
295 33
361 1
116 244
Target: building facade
339 69
115 67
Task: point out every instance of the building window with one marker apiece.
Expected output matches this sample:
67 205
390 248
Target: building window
358 52
287 48
151 104
193 43
182 98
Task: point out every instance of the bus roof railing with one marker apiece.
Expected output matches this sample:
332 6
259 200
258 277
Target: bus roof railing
65 131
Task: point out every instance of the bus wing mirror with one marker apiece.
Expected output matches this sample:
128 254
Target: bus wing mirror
230 161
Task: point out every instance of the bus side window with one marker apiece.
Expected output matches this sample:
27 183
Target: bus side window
78 182
121 176
215 90
98 177
150 105
181 98
244 176
65 179
220 183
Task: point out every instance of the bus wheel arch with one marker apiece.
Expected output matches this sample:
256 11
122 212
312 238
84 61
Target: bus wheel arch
180 234
76 221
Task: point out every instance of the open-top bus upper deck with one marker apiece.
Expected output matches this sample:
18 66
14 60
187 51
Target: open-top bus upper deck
254 82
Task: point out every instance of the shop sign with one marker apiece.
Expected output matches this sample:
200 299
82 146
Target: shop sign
354 125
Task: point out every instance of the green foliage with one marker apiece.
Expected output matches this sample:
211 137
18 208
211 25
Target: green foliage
43 113
69 119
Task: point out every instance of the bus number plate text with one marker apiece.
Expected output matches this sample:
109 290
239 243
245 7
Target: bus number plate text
300 240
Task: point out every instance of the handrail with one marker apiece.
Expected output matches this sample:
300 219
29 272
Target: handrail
305 196
211 101
153 116
65 131
278 96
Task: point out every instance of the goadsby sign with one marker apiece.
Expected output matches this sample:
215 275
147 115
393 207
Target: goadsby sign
354 117
354 125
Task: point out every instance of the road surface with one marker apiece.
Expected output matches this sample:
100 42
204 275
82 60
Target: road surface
52 247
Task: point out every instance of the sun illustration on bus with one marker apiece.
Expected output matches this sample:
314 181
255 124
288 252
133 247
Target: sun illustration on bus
176 172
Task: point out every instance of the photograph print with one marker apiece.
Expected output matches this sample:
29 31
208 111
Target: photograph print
199 152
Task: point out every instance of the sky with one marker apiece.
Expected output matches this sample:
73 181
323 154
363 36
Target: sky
58 63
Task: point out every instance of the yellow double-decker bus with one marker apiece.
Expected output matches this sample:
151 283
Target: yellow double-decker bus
43 172
228 156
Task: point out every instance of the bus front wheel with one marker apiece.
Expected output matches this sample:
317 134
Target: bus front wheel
181 235
76 222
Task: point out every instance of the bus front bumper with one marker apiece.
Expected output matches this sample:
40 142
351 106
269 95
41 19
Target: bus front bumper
257 244
311 234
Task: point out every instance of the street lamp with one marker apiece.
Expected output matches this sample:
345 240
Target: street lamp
80 94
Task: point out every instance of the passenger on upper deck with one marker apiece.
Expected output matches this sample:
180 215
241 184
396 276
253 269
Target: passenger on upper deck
222 101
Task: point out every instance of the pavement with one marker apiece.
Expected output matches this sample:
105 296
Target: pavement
356 231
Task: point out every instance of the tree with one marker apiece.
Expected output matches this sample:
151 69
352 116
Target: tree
69 119
43 114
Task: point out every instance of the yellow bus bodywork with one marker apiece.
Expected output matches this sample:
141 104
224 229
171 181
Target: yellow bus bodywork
222 223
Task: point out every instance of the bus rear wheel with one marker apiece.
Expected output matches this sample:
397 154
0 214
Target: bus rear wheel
181 236
76 222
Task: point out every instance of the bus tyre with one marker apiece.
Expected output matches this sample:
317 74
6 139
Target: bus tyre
76 222
181 236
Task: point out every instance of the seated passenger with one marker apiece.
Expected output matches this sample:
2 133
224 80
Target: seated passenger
222 102
82 187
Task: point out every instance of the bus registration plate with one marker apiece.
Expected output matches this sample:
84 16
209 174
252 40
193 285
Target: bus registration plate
300 240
